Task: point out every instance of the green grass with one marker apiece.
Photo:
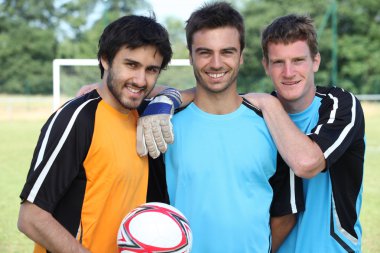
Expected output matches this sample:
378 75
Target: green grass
17 143
370 216
18 137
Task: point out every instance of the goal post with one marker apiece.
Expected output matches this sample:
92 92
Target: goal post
57 64
179 75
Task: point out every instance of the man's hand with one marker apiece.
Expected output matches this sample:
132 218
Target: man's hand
86 89
154 128
258 99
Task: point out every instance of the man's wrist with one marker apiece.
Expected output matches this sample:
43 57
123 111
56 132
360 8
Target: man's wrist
173 94
270 104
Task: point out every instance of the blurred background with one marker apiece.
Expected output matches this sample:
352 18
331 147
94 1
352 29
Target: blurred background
33 33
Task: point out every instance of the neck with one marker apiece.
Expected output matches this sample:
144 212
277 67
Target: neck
298 105
217 103
107 97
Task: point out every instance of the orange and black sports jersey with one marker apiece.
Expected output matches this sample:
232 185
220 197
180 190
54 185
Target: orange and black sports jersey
86 171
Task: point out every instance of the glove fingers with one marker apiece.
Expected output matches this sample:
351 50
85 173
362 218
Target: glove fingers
149 139
140 140
158 137
167 131
154 132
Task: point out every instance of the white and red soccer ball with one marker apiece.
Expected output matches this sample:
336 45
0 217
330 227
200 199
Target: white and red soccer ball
154 227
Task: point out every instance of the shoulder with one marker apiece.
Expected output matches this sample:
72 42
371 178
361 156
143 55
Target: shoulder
250 106
79 109
339 99
86 103
182 111
79 103
334 92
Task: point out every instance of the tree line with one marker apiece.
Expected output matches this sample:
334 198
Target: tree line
34 32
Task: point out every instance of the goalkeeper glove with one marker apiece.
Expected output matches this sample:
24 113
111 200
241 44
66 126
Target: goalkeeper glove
154 127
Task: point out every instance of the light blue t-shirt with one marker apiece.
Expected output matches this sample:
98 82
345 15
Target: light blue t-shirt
330 222
218 174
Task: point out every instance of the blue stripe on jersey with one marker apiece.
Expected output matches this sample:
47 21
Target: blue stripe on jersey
218 172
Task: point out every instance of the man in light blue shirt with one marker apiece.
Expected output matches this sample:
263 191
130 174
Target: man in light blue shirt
325 145
223 170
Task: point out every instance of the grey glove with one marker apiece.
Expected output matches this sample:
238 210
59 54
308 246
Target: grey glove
154 127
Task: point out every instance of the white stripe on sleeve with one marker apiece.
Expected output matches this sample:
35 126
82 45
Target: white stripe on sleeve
45 170
345 130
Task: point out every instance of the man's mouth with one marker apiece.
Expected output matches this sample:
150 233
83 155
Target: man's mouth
290 82
133 89
216 75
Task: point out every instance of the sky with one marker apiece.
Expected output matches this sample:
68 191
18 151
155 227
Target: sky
177 8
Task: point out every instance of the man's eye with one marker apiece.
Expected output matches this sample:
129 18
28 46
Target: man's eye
228 52
131 64
204 53
154 70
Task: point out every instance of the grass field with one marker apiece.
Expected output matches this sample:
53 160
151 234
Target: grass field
19 130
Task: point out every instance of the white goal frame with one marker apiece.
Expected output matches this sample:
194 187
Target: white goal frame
57 63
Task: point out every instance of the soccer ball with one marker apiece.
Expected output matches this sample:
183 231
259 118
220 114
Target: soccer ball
154 227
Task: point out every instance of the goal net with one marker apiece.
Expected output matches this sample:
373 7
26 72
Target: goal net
71 74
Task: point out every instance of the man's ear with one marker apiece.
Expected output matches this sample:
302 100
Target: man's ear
264 62
316 62
241 61
104 63
190 59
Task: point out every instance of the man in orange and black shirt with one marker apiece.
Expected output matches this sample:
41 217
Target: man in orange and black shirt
85 174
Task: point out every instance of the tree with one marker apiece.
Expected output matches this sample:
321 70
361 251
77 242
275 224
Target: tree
27 45
176 29
84 32
359 44
81 41
34 32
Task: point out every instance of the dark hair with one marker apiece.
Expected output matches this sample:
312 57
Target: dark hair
133 32
289 29
214 15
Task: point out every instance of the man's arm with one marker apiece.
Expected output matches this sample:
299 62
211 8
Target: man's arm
41 227
303 155
281 227
86 89
154 129
187 95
